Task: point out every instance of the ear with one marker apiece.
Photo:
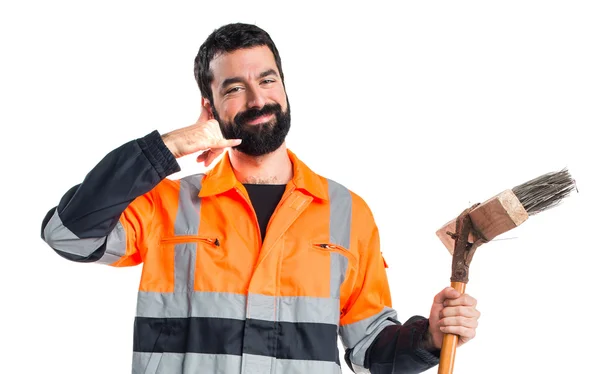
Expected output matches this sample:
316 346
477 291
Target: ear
206 108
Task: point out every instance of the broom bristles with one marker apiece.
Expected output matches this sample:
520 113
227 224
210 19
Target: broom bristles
545 191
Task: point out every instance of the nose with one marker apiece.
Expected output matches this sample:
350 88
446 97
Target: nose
254 98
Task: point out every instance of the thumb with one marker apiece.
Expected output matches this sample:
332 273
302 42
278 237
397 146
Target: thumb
446 293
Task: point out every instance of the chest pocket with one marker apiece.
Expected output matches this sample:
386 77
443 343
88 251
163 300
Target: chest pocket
342 264
316 269
209 263
187 251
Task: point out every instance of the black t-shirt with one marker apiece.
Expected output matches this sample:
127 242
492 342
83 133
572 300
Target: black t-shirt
264 198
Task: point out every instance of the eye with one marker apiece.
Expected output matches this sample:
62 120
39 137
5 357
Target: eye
233 90
268 80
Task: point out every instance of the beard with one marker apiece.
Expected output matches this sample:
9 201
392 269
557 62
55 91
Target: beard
260 139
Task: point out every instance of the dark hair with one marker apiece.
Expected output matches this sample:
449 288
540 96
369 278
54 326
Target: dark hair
225 39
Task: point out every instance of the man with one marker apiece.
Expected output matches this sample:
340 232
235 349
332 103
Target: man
257 266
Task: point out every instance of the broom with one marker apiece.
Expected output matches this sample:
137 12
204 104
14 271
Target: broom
482 222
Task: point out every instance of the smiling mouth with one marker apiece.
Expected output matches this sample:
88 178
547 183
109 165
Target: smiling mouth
260 120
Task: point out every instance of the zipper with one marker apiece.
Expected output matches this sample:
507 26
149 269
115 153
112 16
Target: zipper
332 247
191 238
336 248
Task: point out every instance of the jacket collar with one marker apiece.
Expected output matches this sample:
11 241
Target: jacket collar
221 178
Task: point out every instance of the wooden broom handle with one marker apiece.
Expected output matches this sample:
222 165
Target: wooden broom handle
450 341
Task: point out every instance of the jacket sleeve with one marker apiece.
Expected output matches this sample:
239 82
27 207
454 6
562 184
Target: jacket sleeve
103 218
401 349
375 341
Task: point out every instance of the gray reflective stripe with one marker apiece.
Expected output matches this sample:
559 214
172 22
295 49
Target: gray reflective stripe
306 367
338 266
186 223
359 335
196 304
59 237
340 216
188 211
228 305
340 221
108 259
253 364
309 309
294 309
62 239
180 363
116 243
261 307
153 363
185 267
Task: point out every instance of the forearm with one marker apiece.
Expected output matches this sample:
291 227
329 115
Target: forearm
403 349
92 209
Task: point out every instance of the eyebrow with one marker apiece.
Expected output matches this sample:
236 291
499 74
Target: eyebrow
233 80
266 73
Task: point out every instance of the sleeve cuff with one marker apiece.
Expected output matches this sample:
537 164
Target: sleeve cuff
402 349
430 358
158 154
425 351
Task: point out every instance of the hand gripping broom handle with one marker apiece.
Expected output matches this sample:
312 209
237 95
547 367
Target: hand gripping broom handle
461 259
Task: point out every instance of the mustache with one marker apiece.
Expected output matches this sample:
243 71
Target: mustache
251 114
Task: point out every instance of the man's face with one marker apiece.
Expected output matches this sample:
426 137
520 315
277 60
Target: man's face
249 100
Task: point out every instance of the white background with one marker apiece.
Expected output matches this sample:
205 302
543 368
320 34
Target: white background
423 108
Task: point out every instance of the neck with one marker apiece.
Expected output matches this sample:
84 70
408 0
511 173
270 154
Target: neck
272 168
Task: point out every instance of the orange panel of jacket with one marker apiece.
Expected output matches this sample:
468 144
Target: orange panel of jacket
205 270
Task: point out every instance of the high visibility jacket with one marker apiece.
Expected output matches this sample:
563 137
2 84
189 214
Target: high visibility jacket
214 297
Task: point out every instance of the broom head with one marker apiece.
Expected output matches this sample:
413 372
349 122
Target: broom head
511 208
